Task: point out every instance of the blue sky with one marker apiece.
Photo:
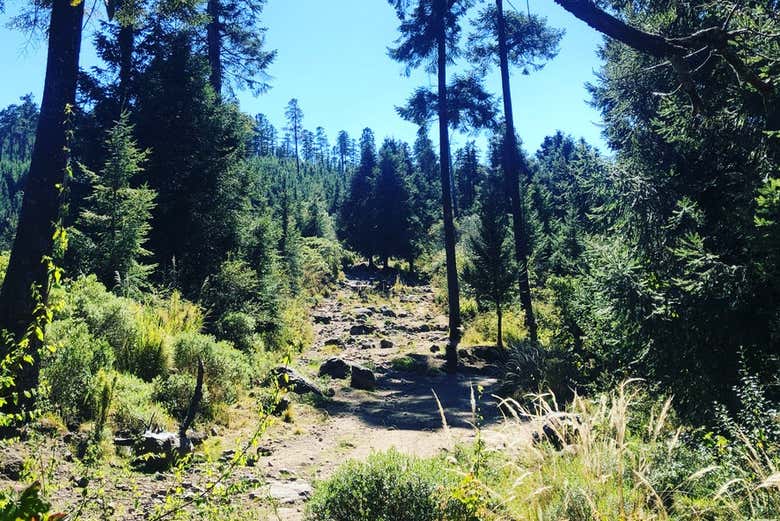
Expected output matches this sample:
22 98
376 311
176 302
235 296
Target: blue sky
332 56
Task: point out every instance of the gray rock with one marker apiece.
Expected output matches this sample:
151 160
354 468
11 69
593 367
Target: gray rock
288 493
155 451
335 368
157 443
385 344
288 378
362 378
386 311
12 466
322 319
361 329
334 342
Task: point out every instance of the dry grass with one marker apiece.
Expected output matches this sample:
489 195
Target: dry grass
600 459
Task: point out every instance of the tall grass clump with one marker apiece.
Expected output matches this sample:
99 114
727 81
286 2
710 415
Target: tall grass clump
624 456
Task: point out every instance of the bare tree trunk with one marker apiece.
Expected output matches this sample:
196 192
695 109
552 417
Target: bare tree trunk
126 48
41 204
453 289
512 165
500 315
214 40
185 445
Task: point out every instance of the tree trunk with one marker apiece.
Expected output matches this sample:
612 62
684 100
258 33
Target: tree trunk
126 47
41 204
500 315
512 165
214 41
453 290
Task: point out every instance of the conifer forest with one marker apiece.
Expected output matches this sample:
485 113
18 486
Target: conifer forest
214 313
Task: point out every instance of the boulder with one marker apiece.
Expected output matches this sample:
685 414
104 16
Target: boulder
386 311
287 493
157 443
385 344
335 368
334 342
156 451
322 319
362 378
361 329
288 378
11 466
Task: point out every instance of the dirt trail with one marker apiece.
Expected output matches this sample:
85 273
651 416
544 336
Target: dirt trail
402 412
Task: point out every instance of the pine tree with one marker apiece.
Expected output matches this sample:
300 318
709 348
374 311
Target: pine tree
490 272
294 116
41 203
264 141
355 222
390 203
116 222
236 45
430 29
468 176
523 41
203 196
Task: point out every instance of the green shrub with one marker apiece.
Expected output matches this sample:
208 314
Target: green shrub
387 487
137 333
531 368
322 260
133 408
227 371
238 327
5 256
71 371
174 392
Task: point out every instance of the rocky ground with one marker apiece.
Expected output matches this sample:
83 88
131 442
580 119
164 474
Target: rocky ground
377 359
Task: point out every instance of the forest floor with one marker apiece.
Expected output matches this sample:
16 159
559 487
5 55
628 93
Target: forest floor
320 434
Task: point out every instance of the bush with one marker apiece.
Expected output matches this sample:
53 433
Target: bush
530 368
239 328
323 260
5 256
139 333
296 332
483 329
175 391
226 370
387 487
71 372
133 408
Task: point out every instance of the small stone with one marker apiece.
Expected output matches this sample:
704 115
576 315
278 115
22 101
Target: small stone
385 344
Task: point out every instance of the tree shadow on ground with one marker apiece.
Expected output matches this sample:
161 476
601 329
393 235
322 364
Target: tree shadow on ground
405 400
